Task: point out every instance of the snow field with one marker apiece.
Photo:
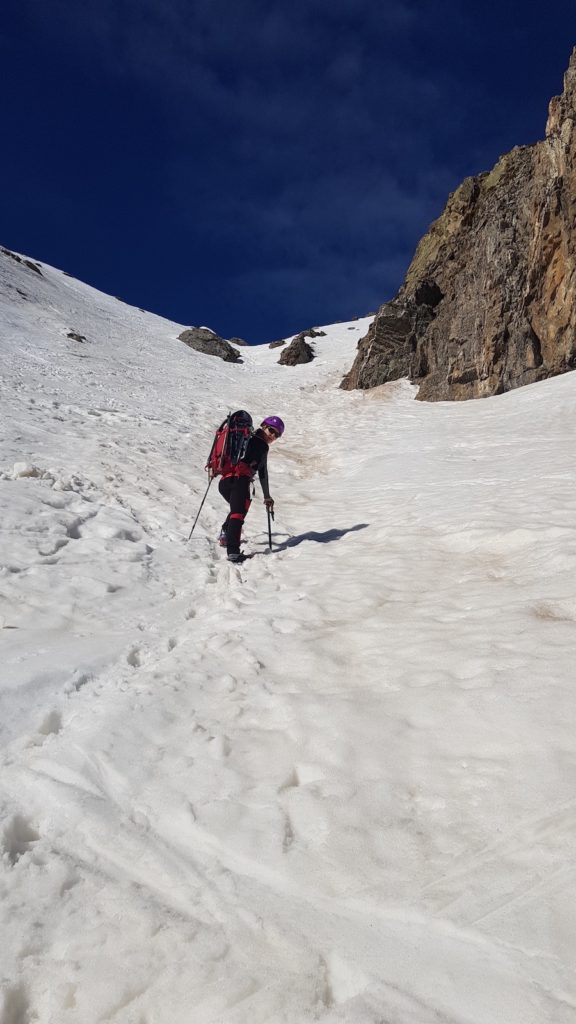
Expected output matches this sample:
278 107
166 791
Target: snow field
333 784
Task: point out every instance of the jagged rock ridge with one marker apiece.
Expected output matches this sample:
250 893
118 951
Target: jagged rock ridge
489 300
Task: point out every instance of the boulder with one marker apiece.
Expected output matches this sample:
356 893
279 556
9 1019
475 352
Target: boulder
202 339
298 351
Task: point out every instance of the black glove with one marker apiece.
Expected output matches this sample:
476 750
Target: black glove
269 502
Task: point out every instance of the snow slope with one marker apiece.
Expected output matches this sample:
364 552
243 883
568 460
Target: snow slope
336 784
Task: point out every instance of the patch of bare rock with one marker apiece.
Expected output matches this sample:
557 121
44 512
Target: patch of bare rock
299 351
202 339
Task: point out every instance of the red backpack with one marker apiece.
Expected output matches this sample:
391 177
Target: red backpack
229 445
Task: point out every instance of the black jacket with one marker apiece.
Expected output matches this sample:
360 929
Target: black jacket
256 459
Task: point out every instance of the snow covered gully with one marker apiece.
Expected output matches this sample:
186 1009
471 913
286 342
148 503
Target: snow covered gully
336 784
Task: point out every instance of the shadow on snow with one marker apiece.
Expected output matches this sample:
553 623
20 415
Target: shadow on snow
319 538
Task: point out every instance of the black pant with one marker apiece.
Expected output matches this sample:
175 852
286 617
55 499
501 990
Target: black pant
236 491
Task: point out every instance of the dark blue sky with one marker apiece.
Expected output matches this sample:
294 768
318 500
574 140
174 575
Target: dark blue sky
258 166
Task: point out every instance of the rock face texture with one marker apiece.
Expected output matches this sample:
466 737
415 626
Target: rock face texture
489 300
298 351
204 340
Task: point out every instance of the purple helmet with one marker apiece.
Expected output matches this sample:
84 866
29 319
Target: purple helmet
275 422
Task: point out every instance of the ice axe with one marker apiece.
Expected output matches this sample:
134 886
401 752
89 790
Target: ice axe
270 513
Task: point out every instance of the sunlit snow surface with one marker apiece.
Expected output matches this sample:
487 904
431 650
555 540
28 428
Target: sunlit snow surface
337 784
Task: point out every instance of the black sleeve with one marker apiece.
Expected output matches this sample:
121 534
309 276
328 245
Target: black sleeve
263 474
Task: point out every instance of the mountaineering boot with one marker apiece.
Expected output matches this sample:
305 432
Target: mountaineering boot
222 539
236 557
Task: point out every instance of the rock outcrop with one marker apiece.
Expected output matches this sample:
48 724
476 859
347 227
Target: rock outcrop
489 300
298 351
202 339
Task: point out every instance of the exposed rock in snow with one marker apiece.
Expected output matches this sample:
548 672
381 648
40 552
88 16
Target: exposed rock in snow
202 339
298 351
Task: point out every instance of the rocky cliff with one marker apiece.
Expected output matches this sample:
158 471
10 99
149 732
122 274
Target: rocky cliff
489 300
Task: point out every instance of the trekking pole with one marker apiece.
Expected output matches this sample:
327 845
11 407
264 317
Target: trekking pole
200 509
270 516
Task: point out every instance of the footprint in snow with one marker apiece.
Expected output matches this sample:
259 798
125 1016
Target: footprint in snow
51 725
15 1006
79 681
133 658
285 626
55 547
18 838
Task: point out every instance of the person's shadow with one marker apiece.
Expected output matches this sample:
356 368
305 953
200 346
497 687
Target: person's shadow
319 538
